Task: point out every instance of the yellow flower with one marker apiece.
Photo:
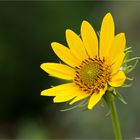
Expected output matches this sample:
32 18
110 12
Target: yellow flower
91 65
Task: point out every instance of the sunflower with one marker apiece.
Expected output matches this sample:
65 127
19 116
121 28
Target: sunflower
91 66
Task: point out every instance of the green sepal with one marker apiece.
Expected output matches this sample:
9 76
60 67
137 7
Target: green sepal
114 96
120 97
77 106
130 79
101 102
131 59
108 113
127 49
127 85
84 109
98 34
111 90
126 67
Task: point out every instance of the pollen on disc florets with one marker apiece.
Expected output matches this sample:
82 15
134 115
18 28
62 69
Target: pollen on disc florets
92 75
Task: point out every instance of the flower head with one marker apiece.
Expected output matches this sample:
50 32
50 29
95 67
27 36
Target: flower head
91 66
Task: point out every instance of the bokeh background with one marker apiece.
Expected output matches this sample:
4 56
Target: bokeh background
26 31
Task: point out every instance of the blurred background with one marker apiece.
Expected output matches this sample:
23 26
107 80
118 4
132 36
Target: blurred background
26 31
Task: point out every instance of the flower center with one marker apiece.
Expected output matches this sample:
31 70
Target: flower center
88 74
92 75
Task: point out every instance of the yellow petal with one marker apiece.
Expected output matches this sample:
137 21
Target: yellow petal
90 39
64 54
76 45
95 98
58 89
106 35
65 96
79 97
118 79
117 46
117 64
58 70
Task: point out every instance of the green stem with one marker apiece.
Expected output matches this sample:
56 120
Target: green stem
115 120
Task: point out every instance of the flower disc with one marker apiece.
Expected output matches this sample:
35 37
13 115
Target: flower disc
92 75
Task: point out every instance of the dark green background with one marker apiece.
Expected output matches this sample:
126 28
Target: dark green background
26 31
